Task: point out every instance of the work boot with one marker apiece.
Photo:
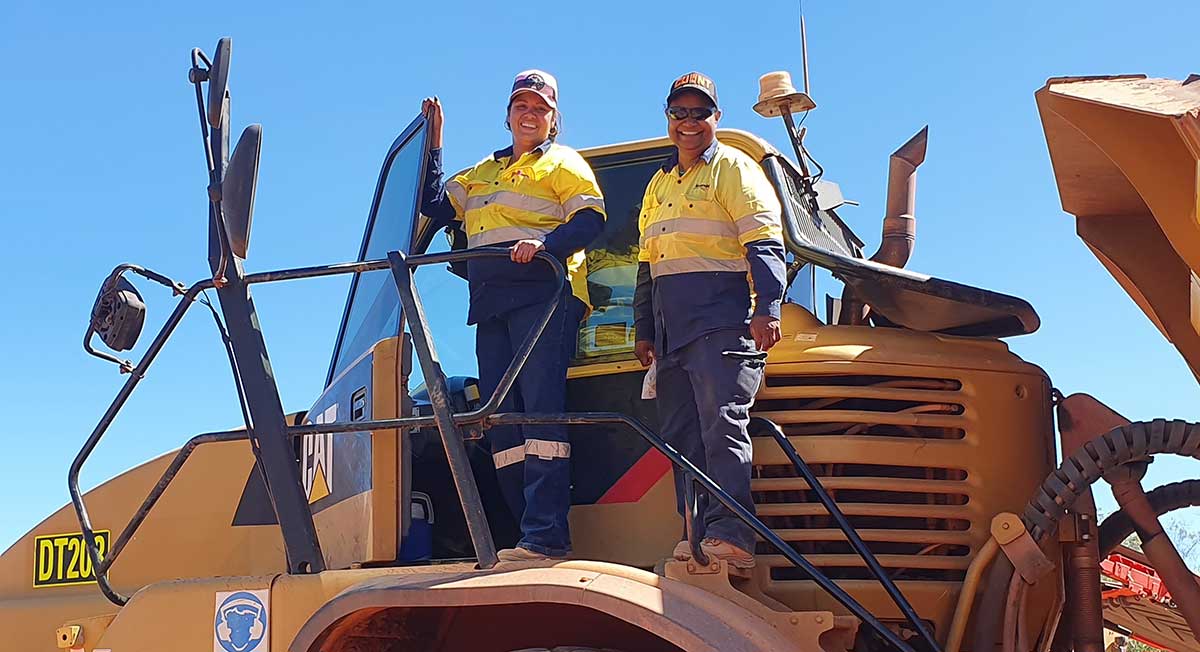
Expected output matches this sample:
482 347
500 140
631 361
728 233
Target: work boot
682 551
740 561
523 554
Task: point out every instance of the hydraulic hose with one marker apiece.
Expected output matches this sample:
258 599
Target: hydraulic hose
1104 453
989 617
1128 443
1156 544
1169 497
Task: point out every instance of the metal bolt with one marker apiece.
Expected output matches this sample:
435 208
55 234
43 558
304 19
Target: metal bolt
794 620
691 568
713 566
583 580
1005 525
819 619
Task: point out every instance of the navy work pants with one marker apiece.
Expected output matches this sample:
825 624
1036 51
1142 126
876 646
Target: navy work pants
533 463
705 390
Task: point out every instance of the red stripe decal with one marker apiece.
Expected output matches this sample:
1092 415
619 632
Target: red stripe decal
644 474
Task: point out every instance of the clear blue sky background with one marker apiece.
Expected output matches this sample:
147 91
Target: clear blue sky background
102 164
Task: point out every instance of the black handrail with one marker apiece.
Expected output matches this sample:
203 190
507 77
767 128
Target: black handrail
102 565
485 416
760 425
694 475
439 396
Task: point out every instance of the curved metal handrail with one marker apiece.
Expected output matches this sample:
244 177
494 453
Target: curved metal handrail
102 565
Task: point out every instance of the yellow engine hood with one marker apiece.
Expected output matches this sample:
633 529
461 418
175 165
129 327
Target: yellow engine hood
1125 152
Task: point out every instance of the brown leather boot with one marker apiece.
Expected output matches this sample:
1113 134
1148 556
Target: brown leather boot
740 561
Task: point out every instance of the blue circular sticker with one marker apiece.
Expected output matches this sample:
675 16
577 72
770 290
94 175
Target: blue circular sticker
241 622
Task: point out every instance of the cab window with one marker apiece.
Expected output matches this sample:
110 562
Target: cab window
373 306
612 259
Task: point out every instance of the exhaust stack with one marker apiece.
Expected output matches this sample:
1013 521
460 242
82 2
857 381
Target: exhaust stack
899 219
900 222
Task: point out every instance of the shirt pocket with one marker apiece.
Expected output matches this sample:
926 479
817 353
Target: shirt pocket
479 187
530 176
700 191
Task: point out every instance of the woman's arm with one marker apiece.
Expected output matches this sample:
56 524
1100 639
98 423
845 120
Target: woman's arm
435 202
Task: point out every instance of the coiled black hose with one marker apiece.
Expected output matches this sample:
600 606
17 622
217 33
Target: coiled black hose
1167 498
1104 453
1063 486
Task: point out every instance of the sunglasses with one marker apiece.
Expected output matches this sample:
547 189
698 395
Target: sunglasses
698 113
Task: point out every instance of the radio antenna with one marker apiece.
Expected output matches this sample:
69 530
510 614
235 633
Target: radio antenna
804 49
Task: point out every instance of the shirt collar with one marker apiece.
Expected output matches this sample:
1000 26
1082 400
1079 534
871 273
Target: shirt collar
706 156
508 151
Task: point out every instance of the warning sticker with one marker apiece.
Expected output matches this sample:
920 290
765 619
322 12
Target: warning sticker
62 559
243 621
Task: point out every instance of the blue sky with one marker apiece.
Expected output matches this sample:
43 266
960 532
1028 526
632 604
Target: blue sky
102 164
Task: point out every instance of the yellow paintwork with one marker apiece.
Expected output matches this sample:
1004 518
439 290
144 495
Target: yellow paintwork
365 527
187 550
188 534
179 614
1126 155
752 145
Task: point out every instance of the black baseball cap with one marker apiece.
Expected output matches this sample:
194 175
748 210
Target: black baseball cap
694 81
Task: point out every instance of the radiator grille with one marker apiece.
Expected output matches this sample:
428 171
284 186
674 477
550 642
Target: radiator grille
865 437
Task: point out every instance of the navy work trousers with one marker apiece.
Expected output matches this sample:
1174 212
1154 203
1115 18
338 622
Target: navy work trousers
533 463
705 390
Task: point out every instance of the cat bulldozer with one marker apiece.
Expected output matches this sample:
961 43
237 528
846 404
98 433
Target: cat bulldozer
908 494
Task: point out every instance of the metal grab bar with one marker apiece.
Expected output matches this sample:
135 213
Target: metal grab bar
693 475
447 423
102 565
761 425
439 396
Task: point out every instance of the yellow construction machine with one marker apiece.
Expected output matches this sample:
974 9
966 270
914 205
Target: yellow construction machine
908 494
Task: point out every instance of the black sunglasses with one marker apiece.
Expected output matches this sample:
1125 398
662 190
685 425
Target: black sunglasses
682 113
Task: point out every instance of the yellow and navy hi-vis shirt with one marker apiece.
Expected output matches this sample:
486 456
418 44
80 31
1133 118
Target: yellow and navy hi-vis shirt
704 232
500 201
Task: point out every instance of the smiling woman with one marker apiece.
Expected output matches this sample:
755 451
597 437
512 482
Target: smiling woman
530 197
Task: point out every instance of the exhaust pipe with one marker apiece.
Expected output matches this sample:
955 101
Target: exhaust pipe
899 219
900 222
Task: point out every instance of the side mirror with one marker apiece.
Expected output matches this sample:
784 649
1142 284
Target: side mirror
238 187
218 81
118 314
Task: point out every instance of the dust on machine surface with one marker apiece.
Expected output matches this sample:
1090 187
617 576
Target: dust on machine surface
907 489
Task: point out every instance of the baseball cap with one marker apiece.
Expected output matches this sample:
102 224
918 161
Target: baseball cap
694 81
536 81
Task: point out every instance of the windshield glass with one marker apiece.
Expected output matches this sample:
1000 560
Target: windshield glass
373 309
612 257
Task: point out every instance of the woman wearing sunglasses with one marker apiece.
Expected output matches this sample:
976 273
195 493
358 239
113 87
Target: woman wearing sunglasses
534 195
709 219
